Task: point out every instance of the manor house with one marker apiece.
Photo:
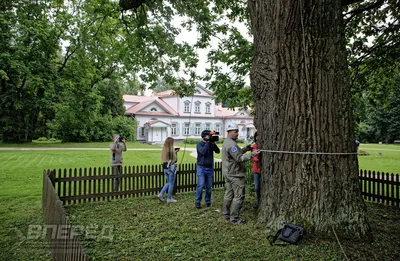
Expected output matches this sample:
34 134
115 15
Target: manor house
165 115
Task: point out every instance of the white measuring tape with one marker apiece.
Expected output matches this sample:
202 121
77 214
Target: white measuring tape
310 153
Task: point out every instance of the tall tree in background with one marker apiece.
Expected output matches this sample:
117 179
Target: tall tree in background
54 58
373 44
26 69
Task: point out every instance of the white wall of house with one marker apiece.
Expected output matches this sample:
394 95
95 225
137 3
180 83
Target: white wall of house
187 117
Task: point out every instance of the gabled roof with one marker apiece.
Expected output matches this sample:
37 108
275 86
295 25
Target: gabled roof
164 93
232 113
138 107
154 122
136 98
238 113
201 87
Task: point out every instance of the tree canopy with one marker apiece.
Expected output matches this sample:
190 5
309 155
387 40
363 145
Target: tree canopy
58 56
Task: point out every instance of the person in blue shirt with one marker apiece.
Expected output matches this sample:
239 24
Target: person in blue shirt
205 167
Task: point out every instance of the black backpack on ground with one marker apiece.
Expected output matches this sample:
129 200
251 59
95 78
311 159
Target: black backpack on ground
289 233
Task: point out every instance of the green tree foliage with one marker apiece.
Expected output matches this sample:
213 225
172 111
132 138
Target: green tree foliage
61 72
27 69
59 55
378 106
373 34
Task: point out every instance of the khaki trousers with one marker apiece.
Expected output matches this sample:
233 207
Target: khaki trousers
234 197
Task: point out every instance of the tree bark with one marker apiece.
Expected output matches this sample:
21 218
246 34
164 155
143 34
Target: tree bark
300 81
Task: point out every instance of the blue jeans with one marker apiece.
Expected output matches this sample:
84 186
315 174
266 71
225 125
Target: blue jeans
257 178
170 175
205 176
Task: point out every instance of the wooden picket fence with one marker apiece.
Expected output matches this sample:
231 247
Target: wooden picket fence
85 185
64 242
93 184
380 187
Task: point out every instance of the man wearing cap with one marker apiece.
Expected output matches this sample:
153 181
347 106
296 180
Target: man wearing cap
205 167
234 171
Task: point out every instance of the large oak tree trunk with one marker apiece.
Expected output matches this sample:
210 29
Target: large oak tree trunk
299 78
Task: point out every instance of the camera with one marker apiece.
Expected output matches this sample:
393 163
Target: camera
120 139
212 135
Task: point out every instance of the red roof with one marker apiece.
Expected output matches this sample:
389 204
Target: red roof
144 101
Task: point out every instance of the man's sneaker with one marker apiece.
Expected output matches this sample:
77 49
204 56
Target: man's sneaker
198 205
238 221
160 197
170 200
209 204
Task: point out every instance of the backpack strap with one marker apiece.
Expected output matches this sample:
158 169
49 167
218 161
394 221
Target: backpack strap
274 238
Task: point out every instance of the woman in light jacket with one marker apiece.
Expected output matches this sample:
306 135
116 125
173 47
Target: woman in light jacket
168 157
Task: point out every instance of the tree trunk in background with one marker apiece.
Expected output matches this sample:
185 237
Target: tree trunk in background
299 78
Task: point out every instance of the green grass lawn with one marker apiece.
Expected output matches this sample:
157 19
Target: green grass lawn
21 184
48 144
21 187
383 158
145 229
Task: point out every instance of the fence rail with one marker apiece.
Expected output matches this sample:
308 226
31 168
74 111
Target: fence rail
64 242
93 184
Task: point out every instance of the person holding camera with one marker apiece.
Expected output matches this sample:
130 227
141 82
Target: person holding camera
169 159
234 171
205 166
116 148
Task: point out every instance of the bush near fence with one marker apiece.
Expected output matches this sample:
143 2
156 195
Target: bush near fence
93 184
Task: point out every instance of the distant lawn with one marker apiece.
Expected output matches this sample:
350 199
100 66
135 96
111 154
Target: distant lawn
383 158
48 144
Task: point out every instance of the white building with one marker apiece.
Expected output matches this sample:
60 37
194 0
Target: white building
165 115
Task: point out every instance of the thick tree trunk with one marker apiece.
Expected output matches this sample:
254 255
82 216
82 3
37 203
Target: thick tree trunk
299 78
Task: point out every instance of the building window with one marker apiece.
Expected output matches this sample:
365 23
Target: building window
186 129
242 113
218 127
197 129
208 107
173 129
141 132
197 107
153 109
187 106
208 126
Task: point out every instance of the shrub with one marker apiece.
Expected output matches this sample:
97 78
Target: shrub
42 139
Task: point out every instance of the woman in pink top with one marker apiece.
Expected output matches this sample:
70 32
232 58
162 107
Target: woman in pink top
256 171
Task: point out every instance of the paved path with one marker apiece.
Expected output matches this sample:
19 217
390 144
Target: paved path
366 148
192 151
